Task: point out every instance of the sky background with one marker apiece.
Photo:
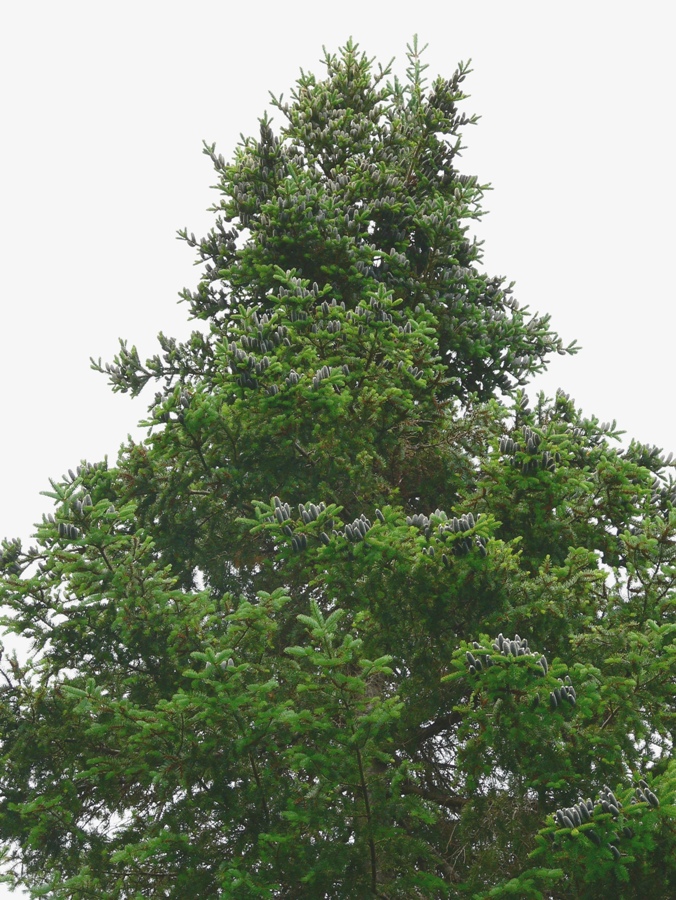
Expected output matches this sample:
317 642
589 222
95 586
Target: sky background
104 109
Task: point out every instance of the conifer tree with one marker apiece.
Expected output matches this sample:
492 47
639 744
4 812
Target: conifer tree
358 618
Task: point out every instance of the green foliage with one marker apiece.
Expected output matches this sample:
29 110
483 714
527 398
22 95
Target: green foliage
354 620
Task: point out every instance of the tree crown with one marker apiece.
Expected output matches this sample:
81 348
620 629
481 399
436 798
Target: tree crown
356 618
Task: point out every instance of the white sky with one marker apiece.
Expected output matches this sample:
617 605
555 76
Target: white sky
104 108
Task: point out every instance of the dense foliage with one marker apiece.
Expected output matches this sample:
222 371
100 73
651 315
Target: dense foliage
358 619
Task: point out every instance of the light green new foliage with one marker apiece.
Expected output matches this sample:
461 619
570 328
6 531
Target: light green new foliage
358 618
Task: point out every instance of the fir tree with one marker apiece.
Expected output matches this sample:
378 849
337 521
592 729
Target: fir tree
357 619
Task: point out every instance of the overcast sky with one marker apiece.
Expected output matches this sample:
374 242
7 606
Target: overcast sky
104 109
